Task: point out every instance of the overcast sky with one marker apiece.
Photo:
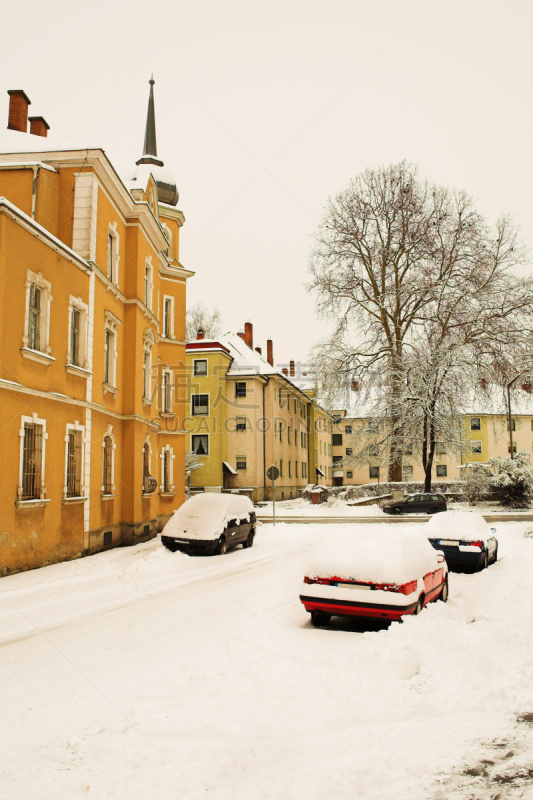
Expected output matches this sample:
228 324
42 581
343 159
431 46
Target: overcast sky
264 109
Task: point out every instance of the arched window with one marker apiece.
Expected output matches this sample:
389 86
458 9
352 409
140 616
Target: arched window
107 487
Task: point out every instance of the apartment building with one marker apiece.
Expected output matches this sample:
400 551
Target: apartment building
246 414
92 335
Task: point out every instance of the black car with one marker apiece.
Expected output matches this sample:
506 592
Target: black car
417 504
466 539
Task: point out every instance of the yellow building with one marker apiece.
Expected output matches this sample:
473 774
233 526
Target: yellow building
485 431
245 415
92 336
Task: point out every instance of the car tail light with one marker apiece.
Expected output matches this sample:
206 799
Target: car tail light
477 543
323 581
404 588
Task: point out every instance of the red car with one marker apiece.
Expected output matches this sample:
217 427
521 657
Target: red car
382 575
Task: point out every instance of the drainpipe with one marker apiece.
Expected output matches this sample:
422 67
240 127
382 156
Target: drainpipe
264 440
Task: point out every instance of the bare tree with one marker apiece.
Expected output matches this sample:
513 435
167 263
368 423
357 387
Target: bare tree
401 265
198 316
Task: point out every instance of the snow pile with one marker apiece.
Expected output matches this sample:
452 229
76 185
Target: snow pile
205 515
388 556
458 525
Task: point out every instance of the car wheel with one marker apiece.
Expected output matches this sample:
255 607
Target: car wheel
221 546
494 560
419 605
445 591
485 560
435 510
396 510
318 619
250 540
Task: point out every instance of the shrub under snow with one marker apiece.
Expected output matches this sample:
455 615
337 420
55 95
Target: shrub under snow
512 484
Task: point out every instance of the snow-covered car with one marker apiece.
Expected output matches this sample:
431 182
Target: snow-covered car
383 575
467 541
210 523
428 503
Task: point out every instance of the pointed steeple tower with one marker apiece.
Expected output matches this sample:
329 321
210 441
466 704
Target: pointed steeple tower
150 143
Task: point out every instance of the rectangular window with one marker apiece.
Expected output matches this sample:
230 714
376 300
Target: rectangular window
110 255
167 318
408 449
280 431
108 466
34 318
200 444
240 423
295 469
148 286
337 459
200 404
240 389
440 448
304 469
200 367
147 369
109 357
442 470
337 440
279 398
166 393
74 463
349 451
290 469
32 460
475 424
289 434
407 472
373 472
476 447
509 449
513 424
373 450
349 474
75 330
240 462
347 429
166 471
281 468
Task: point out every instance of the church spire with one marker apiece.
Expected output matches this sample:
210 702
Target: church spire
150 143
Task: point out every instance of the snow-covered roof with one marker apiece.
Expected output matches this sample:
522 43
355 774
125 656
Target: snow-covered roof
245 360
138 179
17 142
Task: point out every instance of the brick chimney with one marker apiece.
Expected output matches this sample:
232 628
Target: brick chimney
258 350
285 371
39 126
18 110
270 352
241 334
249 334
356 386
292 371
200 334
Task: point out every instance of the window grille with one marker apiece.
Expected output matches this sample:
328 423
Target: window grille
240 424
74 461
240 389
75 318
34 320
108 465
32 461
241 462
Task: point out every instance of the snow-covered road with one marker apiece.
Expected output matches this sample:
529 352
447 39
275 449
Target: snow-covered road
139 673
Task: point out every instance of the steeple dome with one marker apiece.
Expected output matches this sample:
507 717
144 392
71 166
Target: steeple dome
167 191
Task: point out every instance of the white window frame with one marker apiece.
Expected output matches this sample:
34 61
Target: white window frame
240 419
111 325
148 283
477 442
148 343
167 449
109 432
208 443
242 458
83 308
75 427
33 420
44 355
167 392
168 298
199 394
114 237
204 374
441 466
170 239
